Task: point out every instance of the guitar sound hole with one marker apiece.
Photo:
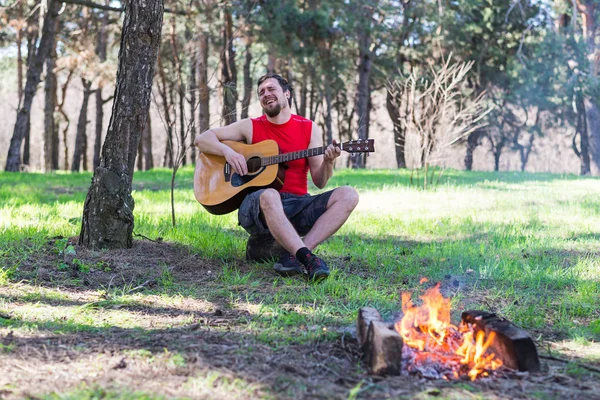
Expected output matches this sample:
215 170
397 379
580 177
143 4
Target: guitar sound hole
253 164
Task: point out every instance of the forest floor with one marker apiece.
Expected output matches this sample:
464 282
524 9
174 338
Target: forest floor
181 314
155 345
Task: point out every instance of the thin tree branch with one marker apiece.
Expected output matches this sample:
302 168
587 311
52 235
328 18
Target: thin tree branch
97 6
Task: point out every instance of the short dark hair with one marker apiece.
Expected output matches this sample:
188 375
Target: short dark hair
285 86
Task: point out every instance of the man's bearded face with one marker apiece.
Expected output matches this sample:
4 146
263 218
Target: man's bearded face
272 98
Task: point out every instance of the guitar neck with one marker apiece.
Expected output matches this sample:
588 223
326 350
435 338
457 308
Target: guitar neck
291 156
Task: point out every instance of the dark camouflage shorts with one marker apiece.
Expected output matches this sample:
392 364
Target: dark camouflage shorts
302 211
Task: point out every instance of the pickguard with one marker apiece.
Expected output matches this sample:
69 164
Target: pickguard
238 180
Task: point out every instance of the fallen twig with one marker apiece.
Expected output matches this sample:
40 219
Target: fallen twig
139 286
158 240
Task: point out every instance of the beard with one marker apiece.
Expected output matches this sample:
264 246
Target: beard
273 111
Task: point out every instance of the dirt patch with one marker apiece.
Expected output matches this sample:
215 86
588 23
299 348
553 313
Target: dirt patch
63 262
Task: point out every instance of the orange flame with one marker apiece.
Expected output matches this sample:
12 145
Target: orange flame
427 329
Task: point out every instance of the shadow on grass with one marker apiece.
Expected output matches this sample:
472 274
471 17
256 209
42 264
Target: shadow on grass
523 275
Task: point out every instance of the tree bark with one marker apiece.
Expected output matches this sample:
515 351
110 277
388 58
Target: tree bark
473 140
497 154
147 145
81 136
60 108
19 41
144 157
101 52
303 92
203 89
587 8
248 85
164 94
108 211
593 122
363 94
524 150
193 87
50 126
228 72
582 130
178 67
393 104
34 71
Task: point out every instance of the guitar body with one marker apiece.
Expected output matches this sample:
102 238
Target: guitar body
221 190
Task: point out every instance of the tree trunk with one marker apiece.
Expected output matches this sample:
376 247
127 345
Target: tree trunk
328 112
147 145
473 140
27 144
19 42
144 157
193 87
497 153
525 151
203 89
593 123
228 72
50 127
248 85
582 130
393 104
164 94
108 211
81 136
98 127
303 93
181 158
363 94
101 52
271 63
34 70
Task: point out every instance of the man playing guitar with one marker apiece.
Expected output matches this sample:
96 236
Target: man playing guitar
299 222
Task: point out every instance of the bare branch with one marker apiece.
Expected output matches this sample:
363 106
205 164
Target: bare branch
97 6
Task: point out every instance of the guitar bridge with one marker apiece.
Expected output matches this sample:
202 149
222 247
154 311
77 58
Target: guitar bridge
227 172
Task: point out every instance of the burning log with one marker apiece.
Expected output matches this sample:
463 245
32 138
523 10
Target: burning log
380 343
424 342
512 345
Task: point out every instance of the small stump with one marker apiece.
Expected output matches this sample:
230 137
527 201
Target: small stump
263 248
380 343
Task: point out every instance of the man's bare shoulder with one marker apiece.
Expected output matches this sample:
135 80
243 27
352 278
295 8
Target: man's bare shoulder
237 131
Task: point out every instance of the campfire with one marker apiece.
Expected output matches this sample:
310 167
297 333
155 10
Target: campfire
435 347
424 342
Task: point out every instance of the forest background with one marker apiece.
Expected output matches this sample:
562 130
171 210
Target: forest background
525 75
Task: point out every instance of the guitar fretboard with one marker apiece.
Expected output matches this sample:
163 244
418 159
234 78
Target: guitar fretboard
294 155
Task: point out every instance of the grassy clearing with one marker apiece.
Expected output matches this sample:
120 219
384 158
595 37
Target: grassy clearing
522 245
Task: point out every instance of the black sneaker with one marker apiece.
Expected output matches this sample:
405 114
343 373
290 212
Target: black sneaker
317 269
288 266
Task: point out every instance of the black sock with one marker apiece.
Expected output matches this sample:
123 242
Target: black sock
302 254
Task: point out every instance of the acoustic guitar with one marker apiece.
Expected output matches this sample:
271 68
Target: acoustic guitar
221 190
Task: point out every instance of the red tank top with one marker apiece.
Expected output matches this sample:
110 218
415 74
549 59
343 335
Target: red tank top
294 135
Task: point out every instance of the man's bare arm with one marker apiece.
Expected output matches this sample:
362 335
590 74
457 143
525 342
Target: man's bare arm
211 140
321 167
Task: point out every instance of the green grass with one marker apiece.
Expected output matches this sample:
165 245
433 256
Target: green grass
523 245
530 239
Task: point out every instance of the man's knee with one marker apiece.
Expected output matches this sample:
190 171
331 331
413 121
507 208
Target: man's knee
347 196
269 198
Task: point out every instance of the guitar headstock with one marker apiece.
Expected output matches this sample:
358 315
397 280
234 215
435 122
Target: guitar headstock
359 146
